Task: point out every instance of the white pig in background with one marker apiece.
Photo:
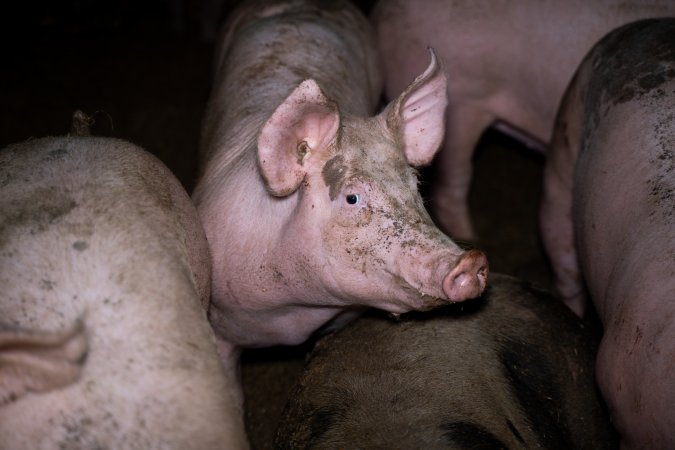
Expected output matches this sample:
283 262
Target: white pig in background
311 207
104 341
508 64
608 220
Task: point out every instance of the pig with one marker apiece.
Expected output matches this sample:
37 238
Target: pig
513 369
105 275
509 63
608 222
310 203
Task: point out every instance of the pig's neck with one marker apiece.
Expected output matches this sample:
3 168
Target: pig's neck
263 292
260 306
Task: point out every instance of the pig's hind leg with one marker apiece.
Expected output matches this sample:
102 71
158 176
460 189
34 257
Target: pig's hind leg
453 170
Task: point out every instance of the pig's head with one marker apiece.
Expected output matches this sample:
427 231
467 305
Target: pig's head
359 221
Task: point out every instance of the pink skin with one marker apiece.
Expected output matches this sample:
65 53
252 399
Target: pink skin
105 277
607 221
35 361
508 66
310 208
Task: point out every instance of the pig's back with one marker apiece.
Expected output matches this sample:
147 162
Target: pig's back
514 370
263 46
625 179
512 57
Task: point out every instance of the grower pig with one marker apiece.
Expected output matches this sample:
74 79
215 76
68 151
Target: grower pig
511 370
104 340
508 65
310 208
608 220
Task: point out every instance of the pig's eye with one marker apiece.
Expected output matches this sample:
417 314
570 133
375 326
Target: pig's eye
353 199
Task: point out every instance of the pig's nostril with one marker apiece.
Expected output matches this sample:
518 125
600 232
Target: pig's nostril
468 278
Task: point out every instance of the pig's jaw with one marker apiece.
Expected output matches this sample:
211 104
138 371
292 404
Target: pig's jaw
283 314
409 298
267 311
417 301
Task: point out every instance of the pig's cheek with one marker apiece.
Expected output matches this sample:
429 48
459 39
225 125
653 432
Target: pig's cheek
348 231
353 218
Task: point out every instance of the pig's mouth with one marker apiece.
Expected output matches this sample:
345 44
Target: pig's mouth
422 301
466 279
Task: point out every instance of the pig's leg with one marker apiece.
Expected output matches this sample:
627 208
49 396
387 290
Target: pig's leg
557 228
32 361
230 359
450 209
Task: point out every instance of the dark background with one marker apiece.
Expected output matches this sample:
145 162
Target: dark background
143 70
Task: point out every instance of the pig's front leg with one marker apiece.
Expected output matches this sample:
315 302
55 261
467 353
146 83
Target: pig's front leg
230 358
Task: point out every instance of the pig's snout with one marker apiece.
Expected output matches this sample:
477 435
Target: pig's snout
468 278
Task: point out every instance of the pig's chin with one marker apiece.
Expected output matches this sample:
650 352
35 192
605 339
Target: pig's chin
414 299
421 303
426 302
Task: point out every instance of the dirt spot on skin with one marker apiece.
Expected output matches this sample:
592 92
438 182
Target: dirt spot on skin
80 245
637 64
277 275
34 213
661 189
47 285
80 431
638 338
56 154
630 63
334 174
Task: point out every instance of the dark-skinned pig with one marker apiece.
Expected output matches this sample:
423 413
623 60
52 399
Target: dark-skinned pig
513 369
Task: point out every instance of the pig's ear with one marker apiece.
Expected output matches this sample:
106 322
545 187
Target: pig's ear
305 124
417 116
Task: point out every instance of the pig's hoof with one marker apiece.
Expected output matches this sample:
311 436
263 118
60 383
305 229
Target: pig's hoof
469 277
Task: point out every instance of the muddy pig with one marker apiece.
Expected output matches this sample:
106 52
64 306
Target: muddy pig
310 206
508 62
104 340
608 220
513 369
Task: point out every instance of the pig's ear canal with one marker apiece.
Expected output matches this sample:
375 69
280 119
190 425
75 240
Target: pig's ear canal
417 116
304 125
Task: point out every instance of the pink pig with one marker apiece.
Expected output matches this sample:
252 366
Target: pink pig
608 220
104 286
311 207
508 66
